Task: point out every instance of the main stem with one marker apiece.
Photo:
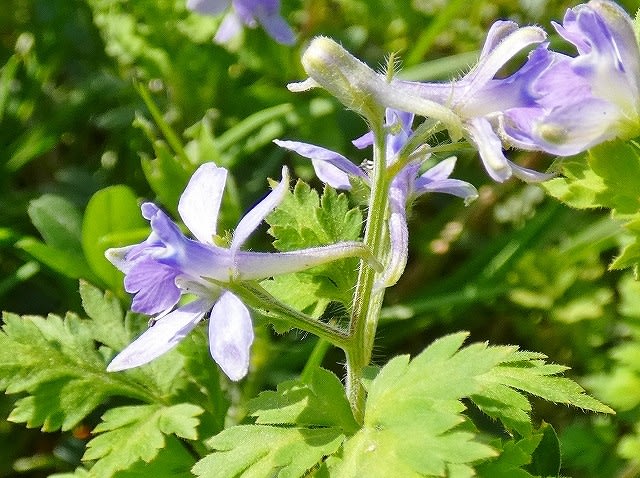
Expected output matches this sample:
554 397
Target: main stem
367 302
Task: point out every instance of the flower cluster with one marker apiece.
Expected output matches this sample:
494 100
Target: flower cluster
554 103
336 170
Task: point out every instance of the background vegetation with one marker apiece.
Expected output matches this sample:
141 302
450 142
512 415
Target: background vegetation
77 88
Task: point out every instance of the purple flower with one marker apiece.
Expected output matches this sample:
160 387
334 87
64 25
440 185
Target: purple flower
159 270
249 13
481 99
587 99
336 170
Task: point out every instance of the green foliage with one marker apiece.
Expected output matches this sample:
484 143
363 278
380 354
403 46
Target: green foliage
414 424
59 222
129 434
289 452
58 365
305 219
607 176
112 219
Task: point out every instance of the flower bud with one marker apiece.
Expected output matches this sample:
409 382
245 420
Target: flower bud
361 89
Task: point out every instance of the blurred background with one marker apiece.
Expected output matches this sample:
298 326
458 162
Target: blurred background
104 102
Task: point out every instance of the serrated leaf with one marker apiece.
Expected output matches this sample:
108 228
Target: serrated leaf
57 364
107 316
580 187
273 451
321 402
129 434
304 219
172 461
540 381
618 164
413 413
545 460
515 455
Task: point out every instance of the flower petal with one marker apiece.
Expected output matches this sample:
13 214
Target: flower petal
489 147
231 336
455 187
277 28
230 27
200 202
401 188
208 7
256 215
165 334
329 174
261 265
153 285
319 153
506 49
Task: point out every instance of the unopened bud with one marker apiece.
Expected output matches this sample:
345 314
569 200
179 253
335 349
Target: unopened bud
343 75
361 89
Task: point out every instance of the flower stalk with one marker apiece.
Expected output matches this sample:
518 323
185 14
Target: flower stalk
367 301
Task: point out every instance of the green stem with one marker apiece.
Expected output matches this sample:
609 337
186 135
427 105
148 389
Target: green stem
367 302
170 135
260 299
315 359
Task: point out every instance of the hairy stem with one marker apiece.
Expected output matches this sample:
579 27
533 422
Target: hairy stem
367 302
256 296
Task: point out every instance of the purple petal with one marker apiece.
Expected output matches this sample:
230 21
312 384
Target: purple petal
200 202
436 180
208 7
529 175
165 334
363 141
318 153
498 32
510 46
153 285
401 188
230 27
261 265
329 174
455 187
566 131
440 171
255 216
277 28
231 336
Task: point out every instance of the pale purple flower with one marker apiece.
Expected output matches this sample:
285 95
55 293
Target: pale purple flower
246 12
167 265
587 99
336 170
480 99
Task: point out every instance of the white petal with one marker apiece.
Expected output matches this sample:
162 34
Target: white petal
231 336
506 49
200 202
255 216
165 334
489 147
